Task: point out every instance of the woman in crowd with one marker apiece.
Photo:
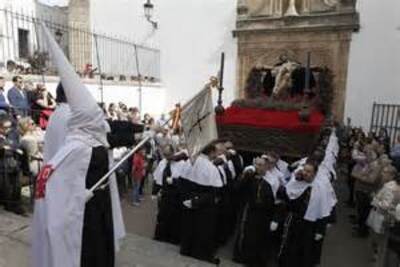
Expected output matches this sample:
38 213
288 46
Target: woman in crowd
42 103
385 203
31 144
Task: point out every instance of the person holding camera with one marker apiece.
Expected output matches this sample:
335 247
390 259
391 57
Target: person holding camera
10 171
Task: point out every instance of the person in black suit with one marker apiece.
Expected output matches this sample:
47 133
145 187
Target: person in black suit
17 97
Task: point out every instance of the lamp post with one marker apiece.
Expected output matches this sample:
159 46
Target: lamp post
148 13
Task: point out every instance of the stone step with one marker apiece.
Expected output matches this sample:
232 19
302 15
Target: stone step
137 251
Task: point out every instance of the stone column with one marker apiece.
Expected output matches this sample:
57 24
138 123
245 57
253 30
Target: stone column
277 8
80 37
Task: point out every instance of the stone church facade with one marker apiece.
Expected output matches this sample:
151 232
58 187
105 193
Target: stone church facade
267 29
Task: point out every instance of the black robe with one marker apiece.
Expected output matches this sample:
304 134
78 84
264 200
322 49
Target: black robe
299 248
226 213
199 223
98 230
169 209
253 233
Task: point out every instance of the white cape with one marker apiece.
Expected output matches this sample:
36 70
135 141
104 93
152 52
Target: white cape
204 172
176 170
273 177
319 205
58 217
56 131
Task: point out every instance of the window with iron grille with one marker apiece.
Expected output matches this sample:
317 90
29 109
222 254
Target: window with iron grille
23 43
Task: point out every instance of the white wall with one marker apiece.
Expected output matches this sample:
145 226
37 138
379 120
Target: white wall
191 36
193 33
374 67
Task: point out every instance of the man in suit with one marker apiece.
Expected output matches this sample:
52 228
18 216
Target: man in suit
3 102
17 97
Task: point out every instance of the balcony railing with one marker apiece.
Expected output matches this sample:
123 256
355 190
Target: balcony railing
24 51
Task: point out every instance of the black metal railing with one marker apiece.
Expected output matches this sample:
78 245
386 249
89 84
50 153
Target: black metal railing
23 49
386 116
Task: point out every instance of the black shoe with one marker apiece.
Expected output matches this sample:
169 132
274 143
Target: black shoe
215 261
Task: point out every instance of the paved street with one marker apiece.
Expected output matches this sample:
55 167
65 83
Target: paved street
138 250
341 249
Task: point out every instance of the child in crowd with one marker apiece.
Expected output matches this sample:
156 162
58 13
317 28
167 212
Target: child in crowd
138 173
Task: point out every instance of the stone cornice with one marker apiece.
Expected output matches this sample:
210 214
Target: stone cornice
345 21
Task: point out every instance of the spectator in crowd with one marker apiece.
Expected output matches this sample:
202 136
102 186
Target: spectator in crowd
138 173
123 113
112 112
162 121
10 169
17 97
134 115
384 139
42 102
395 153
146 119
3 100
385 203
30 144
29 89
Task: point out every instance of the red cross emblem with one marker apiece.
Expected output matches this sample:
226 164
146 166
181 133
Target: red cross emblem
41 181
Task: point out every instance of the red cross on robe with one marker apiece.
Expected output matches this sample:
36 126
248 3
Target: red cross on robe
41 181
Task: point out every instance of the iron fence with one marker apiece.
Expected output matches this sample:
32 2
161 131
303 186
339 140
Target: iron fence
23 49
386 116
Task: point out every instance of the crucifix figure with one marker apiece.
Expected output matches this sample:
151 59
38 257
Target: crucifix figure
198 122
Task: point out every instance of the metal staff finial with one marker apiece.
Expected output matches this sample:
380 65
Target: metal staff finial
219 109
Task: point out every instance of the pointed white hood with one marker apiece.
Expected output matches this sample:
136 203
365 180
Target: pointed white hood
87 121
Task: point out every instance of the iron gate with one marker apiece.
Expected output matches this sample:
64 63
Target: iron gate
386 116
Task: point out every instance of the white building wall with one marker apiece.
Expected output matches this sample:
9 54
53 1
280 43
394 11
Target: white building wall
374 66
9 27
11 21
191 35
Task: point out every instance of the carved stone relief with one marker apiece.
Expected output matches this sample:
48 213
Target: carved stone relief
278 8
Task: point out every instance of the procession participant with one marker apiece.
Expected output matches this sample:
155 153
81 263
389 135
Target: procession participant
67 229
256 217
226 213
166 178
199 216
235 157
305 222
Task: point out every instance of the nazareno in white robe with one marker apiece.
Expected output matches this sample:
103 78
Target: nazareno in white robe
58 216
